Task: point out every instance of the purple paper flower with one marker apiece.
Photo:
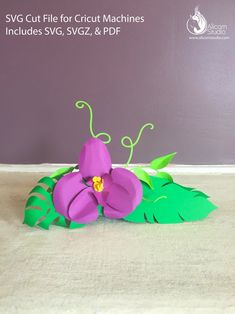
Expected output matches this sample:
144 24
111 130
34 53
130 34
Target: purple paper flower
77 195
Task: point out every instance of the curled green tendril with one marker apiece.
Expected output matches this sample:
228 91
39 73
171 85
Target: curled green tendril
80 104
131 145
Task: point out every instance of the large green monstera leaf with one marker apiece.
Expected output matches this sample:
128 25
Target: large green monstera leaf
39 208
168 202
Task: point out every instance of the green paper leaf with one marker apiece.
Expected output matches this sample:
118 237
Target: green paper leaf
100 210
47 181
164 175
169 202
60 172
161 162
75 225
39 208
142 176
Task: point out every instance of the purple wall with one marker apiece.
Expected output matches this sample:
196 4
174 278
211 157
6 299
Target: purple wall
151 72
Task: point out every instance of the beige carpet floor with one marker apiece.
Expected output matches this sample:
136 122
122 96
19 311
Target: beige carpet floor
115 266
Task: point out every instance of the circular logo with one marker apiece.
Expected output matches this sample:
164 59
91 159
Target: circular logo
196 24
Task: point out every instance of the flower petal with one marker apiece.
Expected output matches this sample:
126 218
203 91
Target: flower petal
83 209
128 181
65 190
118 203
123 195
94 159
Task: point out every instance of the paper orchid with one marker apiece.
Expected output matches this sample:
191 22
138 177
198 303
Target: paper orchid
77 195
72 198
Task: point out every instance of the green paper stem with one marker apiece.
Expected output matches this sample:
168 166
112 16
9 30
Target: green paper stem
132 144
80 104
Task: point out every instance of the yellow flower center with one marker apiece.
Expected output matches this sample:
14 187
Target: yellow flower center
98 184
